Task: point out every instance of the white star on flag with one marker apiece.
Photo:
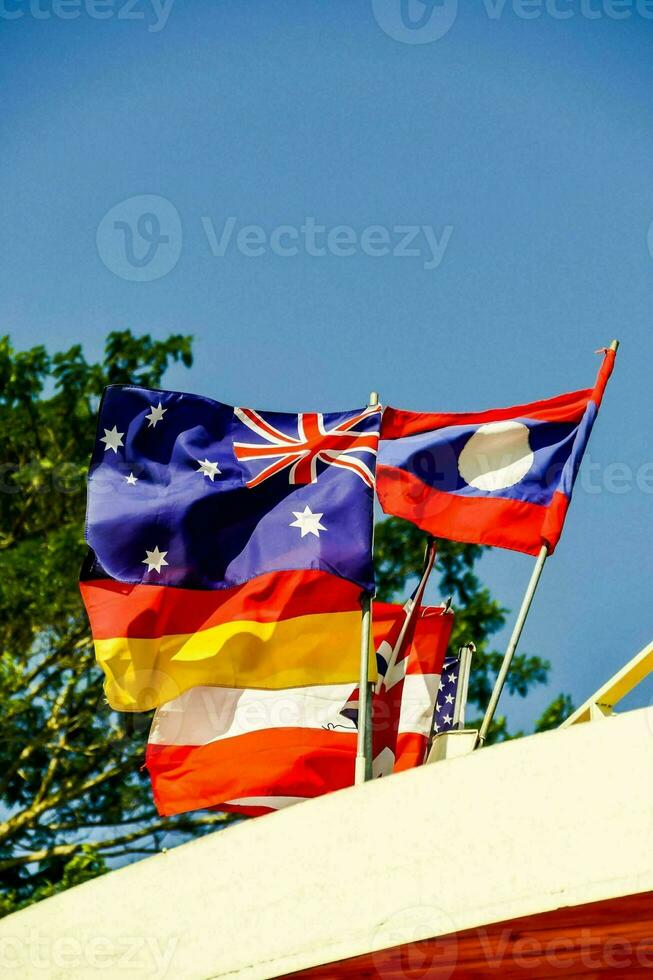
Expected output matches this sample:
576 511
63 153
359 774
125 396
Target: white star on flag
112 439
156 415
208 469
447 719
308 522
131 480
449 699
155 559
453 678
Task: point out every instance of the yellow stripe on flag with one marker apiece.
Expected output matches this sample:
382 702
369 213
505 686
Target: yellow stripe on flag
307 650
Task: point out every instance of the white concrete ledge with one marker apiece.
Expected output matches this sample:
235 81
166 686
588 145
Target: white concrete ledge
552 820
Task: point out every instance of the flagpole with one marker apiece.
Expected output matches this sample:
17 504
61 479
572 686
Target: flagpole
363 755
363 770
512 645
518 627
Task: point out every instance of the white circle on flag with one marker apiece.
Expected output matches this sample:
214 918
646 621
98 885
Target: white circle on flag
496 456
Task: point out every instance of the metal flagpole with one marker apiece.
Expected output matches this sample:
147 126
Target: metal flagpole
363 769
363 752
365 764
512 645
466 653
516 633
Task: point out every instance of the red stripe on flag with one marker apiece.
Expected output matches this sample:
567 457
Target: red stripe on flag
563 408
117 609
273 762
555 519
410 751
603 376
429 641
505 523
387 618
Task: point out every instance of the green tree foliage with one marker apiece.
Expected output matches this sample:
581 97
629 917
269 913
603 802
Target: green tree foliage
73 796
553 716
72 793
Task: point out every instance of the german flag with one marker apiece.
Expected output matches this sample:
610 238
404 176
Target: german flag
279 630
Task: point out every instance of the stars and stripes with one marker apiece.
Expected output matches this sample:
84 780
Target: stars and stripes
342 445
445 702
451 698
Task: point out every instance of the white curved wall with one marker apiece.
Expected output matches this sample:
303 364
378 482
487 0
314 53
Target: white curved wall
557 819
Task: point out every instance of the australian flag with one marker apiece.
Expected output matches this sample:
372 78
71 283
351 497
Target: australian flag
186 491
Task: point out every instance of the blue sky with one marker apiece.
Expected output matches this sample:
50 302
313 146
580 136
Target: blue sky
516 149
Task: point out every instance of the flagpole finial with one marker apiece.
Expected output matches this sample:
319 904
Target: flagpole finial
374 399
614 346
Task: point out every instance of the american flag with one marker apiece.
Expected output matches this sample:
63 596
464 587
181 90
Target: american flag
445 703
452 692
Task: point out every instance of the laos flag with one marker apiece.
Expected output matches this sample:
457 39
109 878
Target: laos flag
503 477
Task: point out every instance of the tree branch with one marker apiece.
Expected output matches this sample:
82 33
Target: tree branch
68 850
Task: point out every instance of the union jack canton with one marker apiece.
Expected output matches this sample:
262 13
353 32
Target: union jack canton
315 442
